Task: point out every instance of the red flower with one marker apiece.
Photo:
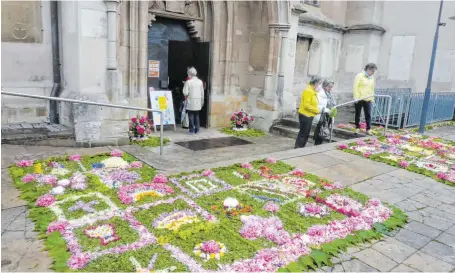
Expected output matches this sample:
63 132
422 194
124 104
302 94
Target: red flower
134 119
143 120
140 129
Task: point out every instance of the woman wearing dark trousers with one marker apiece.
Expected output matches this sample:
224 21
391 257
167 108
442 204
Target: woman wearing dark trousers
307 111
323 120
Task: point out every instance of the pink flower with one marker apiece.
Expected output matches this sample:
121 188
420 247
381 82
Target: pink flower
45 200
208 173
75 158
136 164
50 179
442 176
366 155
247 166
134 119
239 122
298 172
404 164
272 207
343 146
148 131
24 163
233 118
59 226
78 261
116 153
28 178
363 125
270 160
210 247
160 178
251 118
143 119
140 129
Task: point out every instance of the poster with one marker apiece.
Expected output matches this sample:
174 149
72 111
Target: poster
154 69
162 100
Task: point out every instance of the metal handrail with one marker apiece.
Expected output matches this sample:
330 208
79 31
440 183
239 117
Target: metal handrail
389 104
93 103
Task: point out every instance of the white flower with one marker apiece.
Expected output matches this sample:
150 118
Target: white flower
230 202
115 162
63 182
58 190
59 171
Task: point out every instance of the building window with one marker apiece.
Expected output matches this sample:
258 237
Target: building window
312 2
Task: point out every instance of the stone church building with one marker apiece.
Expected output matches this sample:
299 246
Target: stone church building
255 55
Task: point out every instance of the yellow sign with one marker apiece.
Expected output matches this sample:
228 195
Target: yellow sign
162 102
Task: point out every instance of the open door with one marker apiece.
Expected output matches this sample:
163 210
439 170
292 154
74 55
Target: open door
181 56
201 61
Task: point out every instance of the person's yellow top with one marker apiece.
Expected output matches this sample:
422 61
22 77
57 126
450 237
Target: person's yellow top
309 102
363 87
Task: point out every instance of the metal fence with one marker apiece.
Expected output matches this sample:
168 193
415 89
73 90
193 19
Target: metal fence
406 109
92 103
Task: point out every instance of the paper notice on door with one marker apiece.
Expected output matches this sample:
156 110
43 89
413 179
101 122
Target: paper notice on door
154 69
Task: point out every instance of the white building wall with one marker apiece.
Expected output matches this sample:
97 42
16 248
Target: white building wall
408 21
27 68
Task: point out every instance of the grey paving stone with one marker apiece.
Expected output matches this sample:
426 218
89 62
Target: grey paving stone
429 219
447 208
404 268
11 215
426 200
427 263
451 230
338 268
342 258
412 239
443 252
442 197
447 239
423 229
438 213
342 155
357 266
410 205
375 259
394 249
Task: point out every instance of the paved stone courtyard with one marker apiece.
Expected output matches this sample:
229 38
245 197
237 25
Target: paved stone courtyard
426 243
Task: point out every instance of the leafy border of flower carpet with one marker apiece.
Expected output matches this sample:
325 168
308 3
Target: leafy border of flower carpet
115 235
427 155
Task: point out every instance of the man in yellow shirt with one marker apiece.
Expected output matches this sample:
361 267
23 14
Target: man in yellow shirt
364 89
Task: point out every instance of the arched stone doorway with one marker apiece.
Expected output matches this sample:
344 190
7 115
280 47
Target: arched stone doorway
246 39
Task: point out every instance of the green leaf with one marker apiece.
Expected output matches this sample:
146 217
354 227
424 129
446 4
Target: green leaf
381 228
307 262
320 258
330 249
283 269
294 267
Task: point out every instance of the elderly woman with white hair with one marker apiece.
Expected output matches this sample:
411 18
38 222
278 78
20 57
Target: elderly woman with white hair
323 120
194 91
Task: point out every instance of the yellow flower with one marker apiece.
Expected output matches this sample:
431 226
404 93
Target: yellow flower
212 256
38 168
221 254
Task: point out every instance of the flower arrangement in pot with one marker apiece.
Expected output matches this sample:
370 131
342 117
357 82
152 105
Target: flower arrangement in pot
139 127
241 120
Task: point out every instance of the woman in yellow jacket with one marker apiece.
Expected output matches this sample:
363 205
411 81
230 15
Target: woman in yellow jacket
307 111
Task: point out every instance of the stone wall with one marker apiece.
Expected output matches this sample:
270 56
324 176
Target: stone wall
26 59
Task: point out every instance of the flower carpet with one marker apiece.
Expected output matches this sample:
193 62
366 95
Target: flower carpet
430 156
110 212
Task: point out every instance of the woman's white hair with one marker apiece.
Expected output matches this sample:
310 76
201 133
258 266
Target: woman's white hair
192 71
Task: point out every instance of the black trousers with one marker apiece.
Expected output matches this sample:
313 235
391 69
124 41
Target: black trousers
366 105
304 133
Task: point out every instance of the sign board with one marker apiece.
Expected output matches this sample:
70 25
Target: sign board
162 100
154 69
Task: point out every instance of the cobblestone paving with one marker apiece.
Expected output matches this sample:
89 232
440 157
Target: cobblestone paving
426 243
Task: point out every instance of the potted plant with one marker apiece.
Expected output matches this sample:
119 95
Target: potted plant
139 128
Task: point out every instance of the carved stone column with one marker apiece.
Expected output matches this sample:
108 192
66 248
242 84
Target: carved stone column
142 48
283 55
112 34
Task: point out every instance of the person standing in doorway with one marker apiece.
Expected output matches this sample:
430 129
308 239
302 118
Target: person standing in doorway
194 91
323 120
364 90
307 111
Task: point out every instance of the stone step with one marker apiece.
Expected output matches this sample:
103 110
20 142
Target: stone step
340 133
37 134
292 132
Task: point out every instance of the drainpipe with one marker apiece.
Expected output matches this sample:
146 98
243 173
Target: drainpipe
56 88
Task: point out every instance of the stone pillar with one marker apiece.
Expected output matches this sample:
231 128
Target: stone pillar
144 25
269 79
112 34
283 60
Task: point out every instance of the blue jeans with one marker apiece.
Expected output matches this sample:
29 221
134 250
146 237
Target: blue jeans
195 124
